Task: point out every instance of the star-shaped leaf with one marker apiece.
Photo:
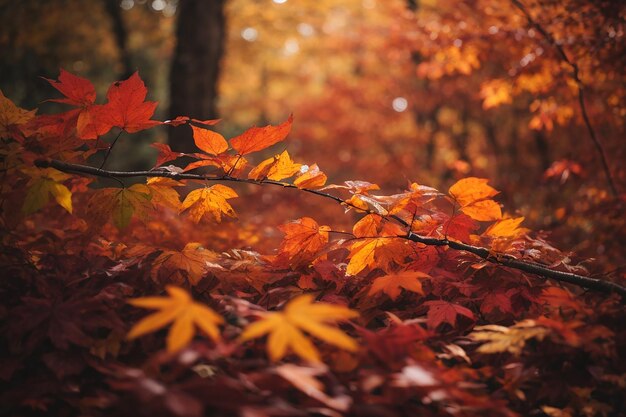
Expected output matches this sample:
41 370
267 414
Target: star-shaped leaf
286 328
209 201
180 310
392 284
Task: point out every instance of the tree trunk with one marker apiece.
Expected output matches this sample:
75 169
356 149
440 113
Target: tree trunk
200 34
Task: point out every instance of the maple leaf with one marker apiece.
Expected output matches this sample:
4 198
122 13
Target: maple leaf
78 91
301 314
126 107
276 168
42 184
303 239
11 115
392 283
440 311
311 178
508 339
209 141
258 138
163 193
180 310
192 262
121 204
209 201
377 252
473 195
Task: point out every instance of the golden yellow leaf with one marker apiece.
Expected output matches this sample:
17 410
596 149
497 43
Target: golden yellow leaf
506 228
209 201
286 328
277 168
508 339
163 192
180 310
473 195
42 184
377 252
11 115
392 283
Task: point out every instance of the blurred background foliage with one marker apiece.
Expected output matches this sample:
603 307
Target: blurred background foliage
389 91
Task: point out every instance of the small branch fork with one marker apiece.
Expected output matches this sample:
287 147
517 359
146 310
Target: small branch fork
581 92
484 253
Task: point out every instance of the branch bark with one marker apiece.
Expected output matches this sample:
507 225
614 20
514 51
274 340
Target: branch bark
483 253
581 93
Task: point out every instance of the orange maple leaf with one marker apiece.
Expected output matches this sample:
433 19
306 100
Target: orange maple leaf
182 311
311 178
392 283
258 138
209 201
474 196
191 263
303 239
301 314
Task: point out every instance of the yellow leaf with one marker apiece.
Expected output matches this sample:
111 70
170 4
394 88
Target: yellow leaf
473 195
301 314
11 115
377 252
42 184
303 239
508 339
180 310
209 201
392 283
277 168
163 193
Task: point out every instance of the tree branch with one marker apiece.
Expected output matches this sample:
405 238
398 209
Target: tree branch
484 253
581 92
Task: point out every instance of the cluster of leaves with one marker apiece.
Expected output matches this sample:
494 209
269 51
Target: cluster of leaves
334 322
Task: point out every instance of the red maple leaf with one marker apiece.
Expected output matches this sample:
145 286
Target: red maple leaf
440 311
126 108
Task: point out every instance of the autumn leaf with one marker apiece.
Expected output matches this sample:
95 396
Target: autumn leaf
121 204
191 263
209 141
301 314
392 283
258 138
499 339
440 311
126 107
376 252
311 178
276 168
508 228
11 115
78 91
165 154
180 310
303 239
42 184
209 201
163 192
474 197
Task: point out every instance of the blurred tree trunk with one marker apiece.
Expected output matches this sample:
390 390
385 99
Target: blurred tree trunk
121 36
200 34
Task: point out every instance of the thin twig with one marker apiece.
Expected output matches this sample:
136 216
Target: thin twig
484 253
110 149
581 92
